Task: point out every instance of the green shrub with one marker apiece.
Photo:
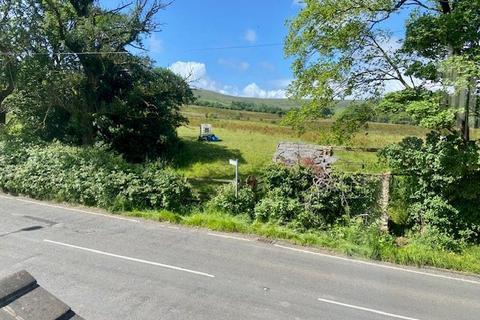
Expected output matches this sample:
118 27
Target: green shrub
290 181
90 176
443 184
277 208
226 201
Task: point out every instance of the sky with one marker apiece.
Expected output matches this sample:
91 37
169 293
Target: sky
200 40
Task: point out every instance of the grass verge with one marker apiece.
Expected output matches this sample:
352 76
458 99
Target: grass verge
352 239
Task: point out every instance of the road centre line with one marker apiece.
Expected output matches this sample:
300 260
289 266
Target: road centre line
391 315
130 258
378 265
227 237
69 209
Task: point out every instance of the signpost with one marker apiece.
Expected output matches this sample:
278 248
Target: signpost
235 163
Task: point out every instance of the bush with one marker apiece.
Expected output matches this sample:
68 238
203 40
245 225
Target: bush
290 182
90 176
290 196
226 201
277 208
443 185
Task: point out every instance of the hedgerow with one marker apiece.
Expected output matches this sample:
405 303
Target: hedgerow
288 196
440 188
89 176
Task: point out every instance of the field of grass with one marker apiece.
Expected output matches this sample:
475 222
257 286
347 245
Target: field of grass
252 138
286 104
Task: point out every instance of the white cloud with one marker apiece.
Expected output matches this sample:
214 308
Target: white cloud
250 36
253 90
195 73
229 90
233 64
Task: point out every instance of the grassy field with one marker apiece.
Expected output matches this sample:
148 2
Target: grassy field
286 104
252 138
211 96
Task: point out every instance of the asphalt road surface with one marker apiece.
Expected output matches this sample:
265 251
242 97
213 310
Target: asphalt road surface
108 267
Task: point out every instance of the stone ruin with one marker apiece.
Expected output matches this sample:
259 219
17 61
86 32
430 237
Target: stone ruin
292 153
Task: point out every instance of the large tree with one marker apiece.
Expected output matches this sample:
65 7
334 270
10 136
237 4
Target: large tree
81 83
18 29
345 48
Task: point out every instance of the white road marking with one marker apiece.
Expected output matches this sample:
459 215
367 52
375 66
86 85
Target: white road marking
367 309
130 258
227 237
69 209
174 228
381 265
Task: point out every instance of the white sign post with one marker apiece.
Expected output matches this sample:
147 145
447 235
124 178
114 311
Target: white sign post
235 163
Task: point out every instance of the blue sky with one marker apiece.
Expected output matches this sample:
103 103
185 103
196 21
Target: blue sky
197 36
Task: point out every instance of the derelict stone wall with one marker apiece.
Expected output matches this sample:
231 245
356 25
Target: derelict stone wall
292 153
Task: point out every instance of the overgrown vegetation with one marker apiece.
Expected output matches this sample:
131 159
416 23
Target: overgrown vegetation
442 187
91 176
89 122
289 197
68 76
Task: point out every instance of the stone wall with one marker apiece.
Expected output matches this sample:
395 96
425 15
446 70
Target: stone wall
292 153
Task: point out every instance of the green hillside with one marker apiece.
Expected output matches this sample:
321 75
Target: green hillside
284 104
205 95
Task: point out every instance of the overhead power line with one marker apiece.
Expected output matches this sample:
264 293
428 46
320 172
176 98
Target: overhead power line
262 45
64 53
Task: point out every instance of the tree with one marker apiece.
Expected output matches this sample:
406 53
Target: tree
342 48
98 40
79 83
18 28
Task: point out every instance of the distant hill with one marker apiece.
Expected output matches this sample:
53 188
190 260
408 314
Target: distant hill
284 104
210 96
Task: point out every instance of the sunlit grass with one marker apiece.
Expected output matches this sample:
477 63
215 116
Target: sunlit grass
252 138
353 240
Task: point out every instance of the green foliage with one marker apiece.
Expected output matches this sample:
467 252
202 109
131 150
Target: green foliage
226 201
431 114
342 49
443 189
289 182
89 176
291 197
143 124
275 207
75 90
349 122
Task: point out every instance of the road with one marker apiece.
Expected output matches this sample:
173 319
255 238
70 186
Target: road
109 267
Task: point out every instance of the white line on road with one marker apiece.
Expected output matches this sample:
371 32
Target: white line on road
380 265
69 209
130 259
366 309
227 237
